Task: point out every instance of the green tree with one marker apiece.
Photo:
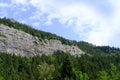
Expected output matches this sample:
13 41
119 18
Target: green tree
114 73
46 71
81 76
1 78
103 75
67 69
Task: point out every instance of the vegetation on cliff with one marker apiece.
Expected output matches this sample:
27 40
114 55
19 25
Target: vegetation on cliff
98 62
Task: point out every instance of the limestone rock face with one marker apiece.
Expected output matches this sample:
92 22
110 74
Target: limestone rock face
21 43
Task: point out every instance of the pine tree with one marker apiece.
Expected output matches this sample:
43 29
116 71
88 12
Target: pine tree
67 69
46 71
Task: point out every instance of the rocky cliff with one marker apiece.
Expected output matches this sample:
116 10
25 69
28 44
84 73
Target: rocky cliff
21 43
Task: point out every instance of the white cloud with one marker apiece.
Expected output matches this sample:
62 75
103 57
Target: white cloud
88 21
95 21
3 5
77 15
23 9
23 2
36 24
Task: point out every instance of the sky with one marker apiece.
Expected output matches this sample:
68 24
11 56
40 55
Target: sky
93 21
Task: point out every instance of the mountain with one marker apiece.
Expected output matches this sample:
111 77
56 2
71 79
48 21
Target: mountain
21 39
24 40
29 48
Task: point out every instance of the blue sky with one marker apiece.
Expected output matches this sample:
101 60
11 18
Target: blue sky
94 21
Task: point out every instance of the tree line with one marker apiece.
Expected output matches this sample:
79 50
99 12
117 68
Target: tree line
59 66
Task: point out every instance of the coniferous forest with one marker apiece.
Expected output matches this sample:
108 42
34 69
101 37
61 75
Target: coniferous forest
60 66
98 62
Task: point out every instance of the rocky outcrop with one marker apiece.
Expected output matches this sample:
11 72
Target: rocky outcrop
21 43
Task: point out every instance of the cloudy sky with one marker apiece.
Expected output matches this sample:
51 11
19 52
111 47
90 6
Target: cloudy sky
94 21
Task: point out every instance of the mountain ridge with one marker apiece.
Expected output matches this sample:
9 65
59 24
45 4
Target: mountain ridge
47 36
25 44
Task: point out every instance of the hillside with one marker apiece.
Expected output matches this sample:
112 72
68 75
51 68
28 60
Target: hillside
26 41
27 48
37 36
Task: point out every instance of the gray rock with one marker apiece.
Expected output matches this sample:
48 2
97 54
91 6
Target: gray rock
21 43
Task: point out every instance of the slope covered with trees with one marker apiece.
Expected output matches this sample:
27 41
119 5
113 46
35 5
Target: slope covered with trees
59 66
98 62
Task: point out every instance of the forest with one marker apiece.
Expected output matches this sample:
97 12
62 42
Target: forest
98 62
60 66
